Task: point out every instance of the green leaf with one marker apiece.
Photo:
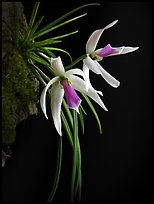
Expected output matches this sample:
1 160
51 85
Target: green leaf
32 20
81 107
58 169
76 61
94 112
40 74
79 174
75 155
47 30
39 77
47 51
38 59
65 35
68 112
81 119
42 43
35 27
58 20
67 128
60 50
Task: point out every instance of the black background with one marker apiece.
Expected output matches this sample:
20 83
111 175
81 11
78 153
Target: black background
117 165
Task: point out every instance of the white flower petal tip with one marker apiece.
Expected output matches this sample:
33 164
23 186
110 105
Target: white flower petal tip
43 103
126 49
117 85
136 48
100 93
77 110
54 59
59 131
60 134
111 24
46 117
106 109
57 65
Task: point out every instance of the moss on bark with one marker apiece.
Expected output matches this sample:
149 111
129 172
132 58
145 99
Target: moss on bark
19 85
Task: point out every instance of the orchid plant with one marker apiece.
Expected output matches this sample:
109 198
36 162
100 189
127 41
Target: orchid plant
62 84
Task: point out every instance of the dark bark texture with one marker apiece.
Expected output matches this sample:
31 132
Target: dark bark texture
19 85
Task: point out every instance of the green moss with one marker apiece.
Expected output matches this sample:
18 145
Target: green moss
18 92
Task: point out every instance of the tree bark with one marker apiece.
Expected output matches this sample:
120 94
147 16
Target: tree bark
19 85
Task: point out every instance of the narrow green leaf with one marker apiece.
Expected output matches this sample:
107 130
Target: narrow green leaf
68 112
44 42
81 107
39 77
94 112
34 13
79 174
40 60
47 51
32 20
81 119
76 61
58 20
58 169
65 35
45 31
60 50
67 128
75 155
35 27
41 74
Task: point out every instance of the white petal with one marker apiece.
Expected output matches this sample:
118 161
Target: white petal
95 36
92 93
74 71
57 94
123 50
88 84
128 49
57 65
79 85
91 65
78 72
86 70
43 95
86 73
110 25
93 40
110 79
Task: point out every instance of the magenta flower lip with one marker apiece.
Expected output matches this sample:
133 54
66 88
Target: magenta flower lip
73 100
107 50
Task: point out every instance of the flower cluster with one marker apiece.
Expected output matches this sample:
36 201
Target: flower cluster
67 83
67 86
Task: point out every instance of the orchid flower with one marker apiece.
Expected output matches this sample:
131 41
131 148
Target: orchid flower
65 83
94 55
